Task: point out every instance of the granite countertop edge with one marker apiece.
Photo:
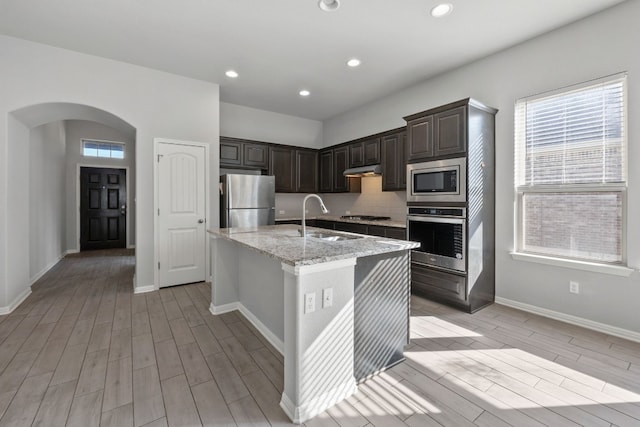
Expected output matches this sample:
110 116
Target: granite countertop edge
283 243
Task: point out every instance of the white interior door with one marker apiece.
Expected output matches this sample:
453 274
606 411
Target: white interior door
181 214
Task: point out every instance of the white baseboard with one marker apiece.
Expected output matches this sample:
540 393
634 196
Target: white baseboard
16 302
318 404
71 251
574 320
37 277
131 247
221 309
142 289
269 336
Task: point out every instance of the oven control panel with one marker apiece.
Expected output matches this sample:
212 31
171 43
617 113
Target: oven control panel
432 211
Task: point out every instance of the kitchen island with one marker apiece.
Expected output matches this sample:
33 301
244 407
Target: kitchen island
335 305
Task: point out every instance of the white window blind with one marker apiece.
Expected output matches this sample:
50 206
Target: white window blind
570 166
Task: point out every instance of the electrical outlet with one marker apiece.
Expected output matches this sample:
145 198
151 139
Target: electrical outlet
327 297
347 212
574 287
309 303
281 212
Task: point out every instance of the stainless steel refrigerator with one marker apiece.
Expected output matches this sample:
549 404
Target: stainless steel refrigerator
247 200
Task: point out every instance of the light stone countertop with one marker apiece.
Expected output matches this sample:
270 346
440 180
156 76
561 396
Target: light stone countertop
383 223
284 243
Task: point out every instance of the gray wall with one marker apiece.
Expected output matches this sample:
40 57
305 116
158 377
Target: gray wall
76 130
46 197
155 103
250 123
597 46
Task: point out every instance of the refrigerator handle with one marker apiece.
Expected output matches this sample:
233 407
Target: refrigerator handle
221 189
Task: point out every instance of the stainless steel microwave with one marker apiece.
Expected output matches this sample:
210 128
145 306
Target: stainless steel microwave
437 181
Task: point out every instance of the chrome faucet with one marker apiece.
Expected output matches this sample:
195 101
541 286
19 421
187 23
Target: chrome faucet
303 231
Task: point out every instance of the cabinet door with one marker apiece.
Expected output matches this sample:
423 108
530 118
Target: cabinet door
356 155
394 162
326 171
390 163
256 155
372 151
420 138
306 171
450 132
402 154
323 223
396 233
282 165
340 163
230 152
351 227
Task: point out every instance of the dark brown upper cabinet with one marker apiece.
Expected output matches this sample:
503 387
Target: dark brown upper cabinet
255 155
243 154
420 133
394 162
371 151
439 132
230 152
356 154
450 131
306 171
282 165
364 153
340 163
326 171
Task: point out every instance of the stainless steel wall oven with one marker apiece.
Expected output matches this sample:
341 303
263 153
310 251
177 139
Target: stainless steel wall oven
441 232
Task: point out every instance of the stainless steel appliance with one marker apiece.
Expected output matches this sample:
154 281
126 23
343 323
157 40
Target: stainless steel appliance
437 181
441 233
247 200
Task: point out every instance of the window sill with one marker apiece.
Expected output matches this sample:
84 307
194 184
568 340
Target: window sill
615 270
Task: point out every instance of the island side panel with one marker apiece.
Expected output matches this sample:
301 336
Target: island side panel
261 294
224 275
381 312
318 362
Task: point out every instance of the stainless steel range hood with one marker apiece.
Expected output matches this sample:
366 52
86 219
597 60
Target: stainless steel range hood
371 170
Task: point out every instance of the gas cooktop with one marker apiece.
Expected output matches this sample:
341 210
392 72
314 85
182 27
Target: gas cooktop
366 217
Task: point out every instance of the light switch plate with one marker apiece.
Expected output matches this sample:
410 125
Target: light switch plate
327 297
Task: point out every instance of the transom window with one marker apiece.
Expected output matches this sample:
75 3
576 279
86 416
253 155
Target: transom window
571 171
105 149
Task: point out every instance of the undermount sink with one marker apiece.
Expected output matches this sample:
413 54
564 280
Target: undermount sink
332 237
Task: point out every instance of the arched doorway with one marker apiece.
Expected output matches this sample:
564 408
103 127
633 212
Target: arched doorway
42 212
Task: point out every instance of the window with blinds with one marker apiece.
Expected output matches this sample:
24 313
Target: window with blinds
570 166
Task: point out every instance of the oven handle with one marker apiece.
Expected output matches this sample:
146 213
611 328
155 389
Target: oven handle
419 218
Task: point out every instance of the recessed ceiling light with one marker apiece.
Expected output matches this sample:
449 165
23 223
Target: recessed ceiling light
304 92
353 62
441 10
329 5
231 74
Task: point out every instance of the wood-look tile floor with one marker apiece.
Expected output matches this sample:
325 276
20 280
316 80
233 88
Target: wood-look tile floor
83 350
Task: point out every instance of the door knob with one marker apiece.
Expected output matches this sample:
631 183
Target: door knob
200 221
123 209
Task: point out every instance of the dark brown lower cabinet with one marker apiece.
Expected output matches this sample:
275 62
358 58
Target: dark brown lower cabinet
438 285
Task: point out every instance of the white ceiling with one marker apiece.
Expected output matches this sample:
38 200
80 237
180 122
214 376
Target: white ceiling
281 46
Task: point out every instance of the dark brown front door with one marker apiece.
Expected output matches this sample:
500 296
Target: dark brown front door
103 203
